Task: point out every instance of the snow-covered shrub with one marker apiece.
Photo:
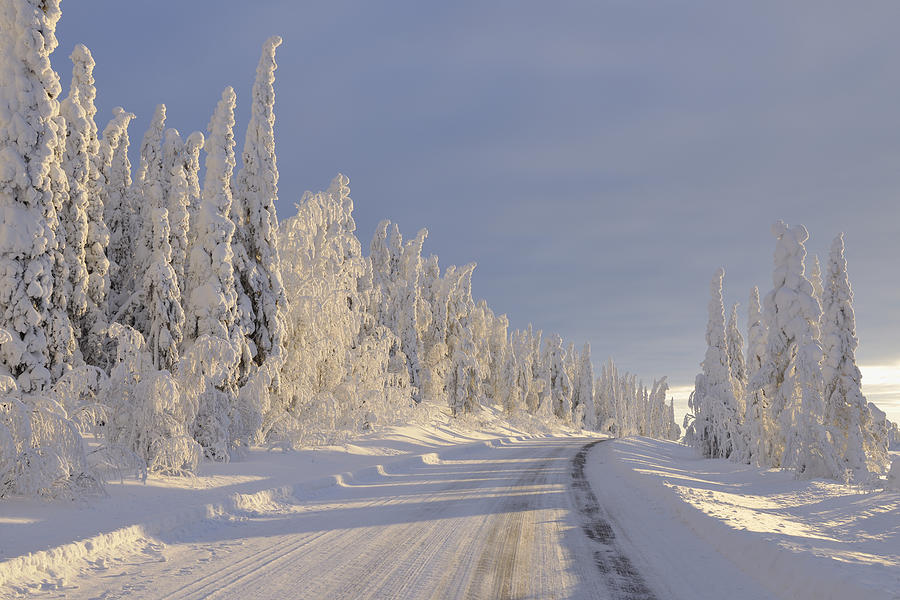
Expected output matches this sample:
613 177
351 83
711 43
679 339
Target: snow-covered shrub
41 451
148 413
78 392
205 371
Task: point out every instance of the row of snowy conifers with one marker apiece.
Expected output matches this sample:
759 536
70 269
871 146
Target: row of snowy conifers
165 320
796 400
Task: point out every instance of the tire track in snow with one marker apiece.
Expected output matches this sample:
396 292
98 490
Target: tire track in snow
504 565
615 567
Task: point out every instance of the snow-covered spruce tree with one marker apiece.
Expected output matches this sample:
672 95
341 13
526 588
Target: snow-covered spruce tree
190 156
62 343
257 193
28 101
560 385
791 375
605 397
177 200
674 429
120 208
73 217
846 409
509 393
212 305
498 347
41 451
570 364
521 361
481 321
151 189
384 254
96 315
583 391
408 306
757 426
736 360
162 297
464 378
716 409
658 411
435 294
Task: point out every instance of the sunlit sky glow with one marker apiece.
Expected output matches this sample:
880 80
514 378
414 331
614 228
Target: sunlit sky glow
599 160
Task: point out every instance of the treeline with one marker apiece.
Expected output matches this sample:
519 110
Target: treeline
168 316
793 397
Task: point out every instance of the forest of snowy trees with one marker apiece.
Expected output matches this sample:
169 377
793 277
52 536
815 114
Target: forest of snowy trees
794 400
154 319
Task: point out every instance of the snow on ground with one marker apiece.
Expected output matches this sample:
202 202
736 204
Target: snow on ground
480 508
45 544
699 528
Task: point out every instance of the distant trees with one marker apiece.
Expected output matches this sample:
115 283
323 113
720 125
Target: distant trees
796 401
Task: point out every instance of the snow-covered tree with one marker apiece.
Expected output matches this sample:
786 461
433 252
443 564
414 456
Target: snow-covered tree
757 426
29 102
736 361
408 306
791 375
212 307
626 407
162 297
41 450
96 262
120 208
73 217
583 391
177 201
715 408
846 409
61 341
151 189
560 385
464 377
190 156
257 193
322 263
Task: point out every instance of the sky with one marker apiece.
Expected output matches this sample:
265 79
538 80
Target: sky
598 160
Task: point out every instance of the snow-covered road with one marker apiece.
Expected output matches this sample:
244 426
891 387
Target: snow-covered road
466 516
488 522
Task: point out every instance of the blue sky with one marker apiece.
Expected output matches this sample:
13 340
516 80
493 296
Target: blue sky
597 159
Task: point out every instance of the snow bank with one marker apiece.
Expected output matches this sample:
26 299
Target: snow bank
797 539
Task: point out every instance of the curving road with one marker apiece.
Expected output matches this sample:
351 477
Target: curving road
514 521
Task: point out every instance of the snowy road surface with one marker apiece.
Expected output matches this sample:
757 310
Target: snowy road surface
492 522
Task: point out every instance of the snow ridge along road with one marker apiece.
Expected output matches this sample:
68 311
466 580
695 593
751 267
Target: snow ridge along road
493 521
